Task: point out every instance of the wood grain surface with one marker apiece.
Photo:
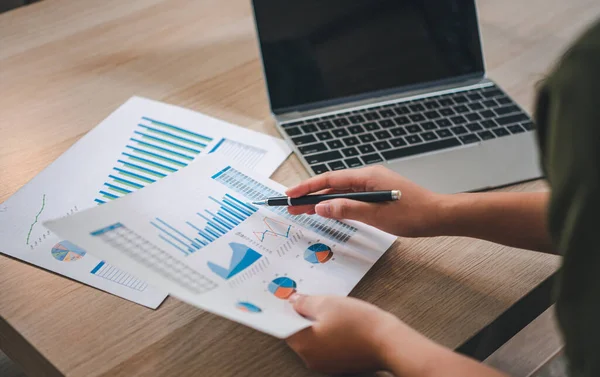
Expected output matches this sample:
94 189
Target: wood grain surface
65 65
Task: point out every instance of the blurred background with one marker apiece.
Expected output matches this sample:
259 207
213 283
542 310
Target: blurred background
10 4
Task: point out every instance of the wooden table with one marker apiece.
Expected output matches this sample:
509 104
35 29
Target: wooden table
65 65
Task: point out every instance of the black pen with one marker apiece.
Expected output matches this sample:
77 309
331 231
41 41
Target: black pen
370 197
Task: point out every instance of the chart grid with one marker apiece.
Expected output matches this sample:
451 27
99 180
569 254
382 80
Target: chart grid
151 256
254 190
109 272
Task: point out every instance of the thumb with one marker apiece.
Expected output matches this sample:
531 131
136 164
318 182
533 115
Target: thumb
346 209
308 306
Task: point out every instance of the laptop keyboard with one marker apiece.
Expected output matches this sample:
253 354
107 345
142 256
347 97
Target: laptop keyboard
383 133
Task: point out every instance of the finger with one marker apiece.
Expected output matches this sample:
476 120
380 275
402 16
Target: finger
352 179
348 209
308 306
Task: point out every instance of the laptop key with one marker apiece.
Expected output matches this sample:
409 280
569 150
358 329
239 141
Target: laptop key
353 162
458 119
416 107
432 114
366 138
461 109
428 126
504 101
323 157
351 141
507 110
371 126
428 136
325 125
398 142
326 135
422 148
293 131
306 139
446 102
460 99
490 103
487 114
309 128
335 144
417 117
398 131
473 117
320 169
382 145
354 130
447 112
336 165
489 124
350 152
459 130
371 116
413 139
366 148
492 93
468 139
312 148
474 127
443 133
387 123
515 129
500 132
387 113
528 126
510 119
382 135
474 96
354 119
413 129
443 123
341 122
372 158
402 110
401 121
486 135
475 106
293 124
431 105
340 132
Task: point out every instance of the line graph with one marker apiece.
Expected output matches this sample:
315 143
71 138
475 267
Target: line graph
274 228
36 218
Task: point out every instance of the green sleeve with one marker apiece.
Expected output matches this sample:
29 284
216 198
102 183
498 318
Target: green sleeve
568 121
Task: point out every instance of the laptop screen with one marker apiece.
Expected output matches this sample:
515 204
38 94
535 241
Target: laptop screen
322 52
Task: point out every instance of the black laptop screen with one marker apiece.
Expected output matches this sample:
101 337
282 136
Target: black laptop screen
317 52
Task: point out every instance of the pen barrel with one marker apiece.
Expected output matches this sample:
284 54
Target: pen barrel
370 197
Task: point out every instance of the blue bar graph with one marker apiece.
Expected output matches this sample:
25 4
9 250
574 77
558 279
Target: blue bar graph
208 225
254 190
155 150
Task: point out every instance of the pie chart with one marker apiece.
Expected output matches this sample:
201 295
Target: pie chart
282 287
318 253
248 307
65 251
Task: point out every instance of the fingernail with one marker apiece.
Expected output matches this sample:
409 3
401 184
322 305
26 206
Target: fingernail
325 209
293 298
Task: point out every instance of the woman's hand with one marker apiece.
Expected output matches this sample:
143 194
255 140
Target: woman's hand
351 336
416 214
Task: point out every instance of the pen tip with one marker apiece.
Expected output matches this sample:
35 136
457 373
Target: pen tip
259 203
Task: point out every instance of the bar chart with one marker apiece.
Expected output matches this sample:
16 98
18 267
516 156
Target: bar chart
155 150
254 190
209 225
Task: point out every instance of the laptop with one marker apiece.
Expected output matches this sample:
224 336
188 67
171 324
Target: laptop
400 83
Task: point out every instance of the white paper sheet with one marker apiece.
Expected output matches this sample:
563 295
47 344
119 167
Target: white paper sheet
139 143
209 246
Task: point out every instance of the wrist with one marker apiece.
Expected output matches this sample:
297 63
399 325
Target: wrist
450 214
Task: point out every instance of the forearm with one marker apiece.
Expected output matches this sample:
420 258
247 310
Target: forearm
513 219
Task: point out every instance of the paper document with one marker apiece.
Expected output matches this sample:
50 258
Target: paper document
209 246
140 143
